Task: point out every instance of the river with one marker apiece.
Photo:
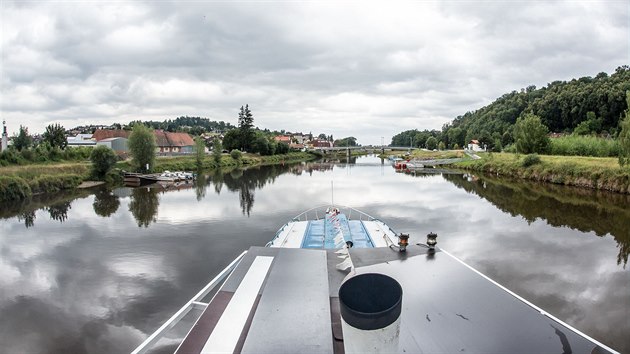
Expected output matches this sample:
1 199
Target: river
97 271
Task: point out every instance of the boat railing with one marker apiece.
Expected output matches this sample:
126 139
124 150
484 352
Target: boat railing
195 302
318 212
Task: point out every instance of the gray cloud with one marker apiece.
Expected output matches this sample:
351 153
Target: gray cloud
318 67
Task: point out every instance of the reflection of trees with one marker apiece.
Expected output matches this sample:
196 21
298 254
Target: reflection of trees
581 209
28 217
25 209
144 205
59 211
201 183
246 181
105 203
217 180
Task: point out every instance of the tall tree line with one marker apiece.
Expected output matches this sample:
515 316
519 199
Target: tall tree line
595 104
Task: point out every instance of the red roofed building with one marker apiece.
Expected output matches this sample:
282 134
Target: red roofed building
166 141
174 142
101 134
283 139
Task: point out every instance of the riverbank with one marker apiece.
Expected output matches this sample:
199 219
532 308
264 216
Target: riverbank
600 173
22 181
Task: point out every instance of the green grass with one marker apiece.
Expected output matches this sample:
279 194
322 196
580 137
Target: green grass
421 154
575 145
591 172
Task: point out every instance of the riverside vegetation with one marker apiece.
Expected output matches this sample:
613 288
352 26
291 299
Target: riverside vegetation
22 181
589 172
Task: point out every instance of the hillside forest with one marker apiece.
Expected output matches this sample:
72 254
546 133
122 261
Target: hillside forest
584 106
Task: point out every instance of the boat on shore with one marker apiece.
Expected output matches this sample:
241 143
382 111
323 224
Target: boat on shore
132 179
336 280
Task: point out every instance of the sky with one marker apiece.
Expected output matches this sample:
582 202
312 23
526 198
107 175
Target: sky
366 69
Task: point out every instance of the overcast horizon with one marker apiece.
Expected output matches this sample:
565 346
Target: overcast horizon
362 69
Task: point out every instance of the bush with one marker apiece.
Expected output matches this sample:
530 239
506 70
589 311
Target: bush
103 159
575 145
113 177
531 135
282 148
530 160
13 188
47 184
236 154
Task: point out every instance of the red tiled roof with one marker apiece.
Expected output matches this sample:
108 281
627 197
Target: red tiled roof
162 138
100 134
179 139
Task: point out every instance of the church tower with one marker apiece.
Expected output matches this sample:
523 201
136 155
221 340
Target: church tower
5 137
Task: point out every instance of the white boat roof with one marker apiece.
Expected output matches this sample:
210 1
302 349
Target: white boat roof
284 300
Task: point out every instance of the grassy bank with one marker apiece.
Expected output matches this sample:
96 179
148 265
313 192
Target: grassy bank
21 182
589 172
189 163
427 155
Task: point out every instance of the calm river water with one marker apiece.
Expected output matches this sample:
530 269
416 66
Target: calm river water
97 271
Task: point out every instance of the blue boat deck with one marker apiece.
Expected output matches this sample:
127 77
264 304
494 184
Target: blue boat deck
321 233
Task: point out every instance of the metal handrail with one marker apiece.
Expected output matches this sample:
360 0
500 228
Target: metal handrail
194 302
306 212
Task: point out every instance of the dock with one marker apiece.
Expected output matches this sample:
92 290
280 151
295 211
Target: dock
133 179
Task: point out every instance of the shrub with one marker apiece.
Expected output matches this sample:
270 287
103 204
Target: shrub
530 160
282 148
531 135
13 188
46 184
236 154
103 159
575 145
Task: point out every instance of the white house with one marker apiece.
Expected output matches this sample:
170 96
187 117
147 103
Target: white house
474 146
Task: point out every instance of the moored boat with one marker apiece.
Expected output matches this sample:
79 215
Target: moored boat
292 296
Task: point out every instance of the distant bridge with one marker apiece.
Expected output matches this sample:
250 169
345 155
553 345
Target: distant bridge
366 148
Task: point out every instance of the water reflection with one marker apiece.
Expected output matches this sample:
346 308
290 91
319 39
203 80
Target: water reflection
201 183
144 205
59 211
105 203
123 261
580 209
28 217
56 205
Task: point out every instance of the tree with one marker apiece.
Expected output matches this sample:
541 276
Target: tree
103 159
217 150
142 147
624 136
55 135
232 140
441 145
282 148
531 135
260 144
22 140
246 125
349 141
200 151
431 143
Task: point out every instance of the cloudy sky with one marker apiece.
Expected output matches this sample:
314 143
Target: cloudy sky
363 69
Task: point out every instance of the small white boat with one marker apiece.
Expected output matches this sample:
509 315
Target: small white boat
334 281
